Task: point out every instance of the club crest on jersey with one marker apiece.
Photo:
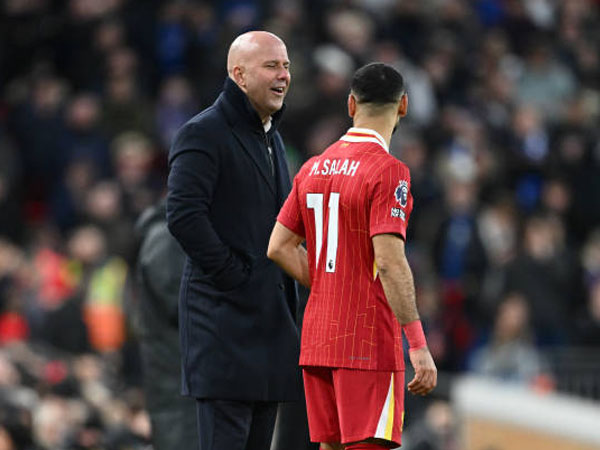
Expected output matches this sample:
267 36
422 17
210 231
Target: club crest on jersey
401 193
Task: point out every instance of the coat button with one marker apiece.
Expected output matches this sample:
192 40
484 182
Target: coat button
281 286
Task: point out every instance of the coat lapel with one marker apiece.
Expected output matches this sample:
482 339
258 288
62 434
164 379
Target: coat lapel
247 127
251 144
281 172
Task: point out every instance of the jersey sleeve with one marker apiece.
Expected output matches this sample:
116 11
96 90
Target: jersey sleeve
290 215
391 201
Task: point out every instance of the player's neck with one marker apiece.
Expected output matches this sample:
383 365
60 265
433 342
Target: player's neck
384 127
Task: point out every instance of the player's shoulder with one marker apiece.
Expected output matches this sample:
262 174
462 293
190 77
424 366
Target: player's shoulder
375 151
389 163
393 161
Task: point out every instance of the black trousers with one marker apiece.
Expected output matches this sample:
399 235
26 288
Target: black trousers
291 428
235 425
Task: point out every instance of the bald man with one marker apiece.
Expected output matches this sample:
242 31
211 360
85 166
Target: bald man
228 178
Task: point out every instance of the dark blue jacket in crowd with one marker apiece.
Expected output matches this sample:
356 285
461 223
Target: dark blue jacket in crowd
239 339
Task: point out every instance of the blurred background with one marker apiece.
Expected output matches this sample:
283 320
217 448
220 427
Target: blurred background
502 141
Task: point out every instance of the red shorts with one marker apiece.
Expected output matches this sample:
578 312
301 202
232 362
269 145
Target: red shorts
348 405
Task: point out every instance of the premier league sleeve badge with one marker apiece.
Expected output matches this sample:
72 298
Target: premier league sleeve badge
401 196
401 193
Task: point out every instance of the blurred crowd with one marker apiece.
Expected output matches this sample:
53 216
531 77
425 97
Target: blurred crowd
502 141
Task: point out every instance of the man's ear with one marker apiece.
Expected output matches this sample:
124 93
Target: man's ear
403 106
238 76
351 105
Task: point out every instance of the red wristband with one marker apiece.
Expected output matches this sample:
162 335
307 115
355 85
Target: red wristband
415 335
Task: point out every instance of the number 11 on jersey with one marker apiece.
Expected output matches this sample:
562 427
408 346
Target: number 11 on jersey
315 202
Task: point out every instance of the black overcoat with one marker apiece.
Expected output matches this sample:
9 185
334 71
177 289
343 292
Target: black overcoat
238 335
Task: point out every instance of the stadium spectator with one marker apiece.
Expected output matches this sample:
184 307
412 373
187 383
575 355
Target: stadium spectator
158 276
435 430
510 352
548 275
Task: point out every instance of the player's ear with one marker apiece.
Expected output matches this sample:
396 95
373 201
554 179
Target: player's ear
351 105
403 106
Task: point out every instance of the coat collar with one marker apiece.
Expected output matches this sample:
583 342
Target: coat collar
248 129
239 109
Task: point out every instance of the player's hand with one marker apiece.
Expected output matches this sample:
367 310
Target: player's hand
425 378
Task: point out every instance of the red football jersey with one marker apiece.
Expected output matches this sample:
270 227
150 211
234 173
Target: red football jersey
339 200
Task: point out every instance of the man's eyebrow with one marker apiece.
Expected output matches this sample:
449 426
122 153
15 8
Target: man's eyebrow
276 61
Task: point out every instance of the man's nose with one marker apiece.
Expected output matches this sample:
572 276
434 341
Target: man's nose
283 74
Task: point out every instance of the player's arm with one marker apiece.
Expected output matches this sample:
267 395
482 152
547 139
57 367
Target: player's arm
286 250
399 288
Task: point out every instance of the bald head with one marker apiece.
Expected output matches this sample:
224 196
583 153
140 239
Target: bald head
246 45
258 63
